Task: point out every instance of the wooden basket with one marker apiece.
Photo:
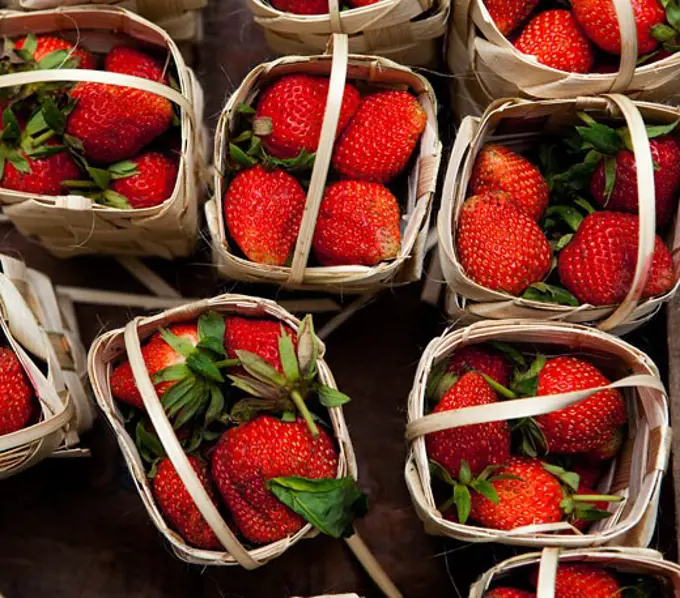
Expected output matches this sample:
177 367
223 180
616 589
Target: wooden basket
406 31
110 346
469 301
635 475
407 266
41 329
489 67
74 225
626 560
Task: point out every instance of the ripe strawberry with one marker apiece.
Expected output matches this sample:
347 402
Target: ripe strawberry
258 336
607 450
152 181
598 19
358 223
509 14
498 168
46 44
499 246
248 456
598 265
624 196
482 359
580 580
589 472
296 105
302 7
582 426
17 398
534 498
263 210
479 445
178 506
42 176
556 40
114 123
381 137
360 3
508 593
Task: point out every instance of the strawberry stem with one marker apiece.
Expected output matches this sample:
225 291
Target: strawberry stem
226 363
38 141
499 388
445 506
596 498
304 412
79 185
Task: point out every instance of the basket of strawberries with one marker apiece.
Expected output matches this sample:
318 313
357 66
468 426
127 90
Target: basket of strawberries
562 209
537 434
596 573
44 404
231 425
546 50
405 31
99 161
369 121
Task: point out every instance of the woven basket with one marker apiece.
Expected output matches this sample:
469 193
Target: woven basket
74 225
406 31
626 560
110 346
489 67
469 301
40 328
422 181
635 475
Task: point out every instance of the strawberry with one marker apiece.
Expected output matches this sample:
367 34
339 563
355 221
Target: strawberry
258 336
499 246
607 450
498 168
589 472
263 211
358 223
17 398
381 137
178 506
582 426
598 19
623 196
113 122
509 14
294 106
481 359
508 593
302 7
147 179
360 3
598 265
43 45
556 40
580 580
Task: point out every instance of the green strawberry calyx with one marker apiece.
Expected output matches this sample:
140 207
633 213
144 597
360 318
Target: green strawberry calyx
667 33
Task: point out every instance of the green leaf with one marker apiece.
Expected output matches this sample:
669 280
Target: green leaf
245 109
570 215
179 345
288 417
114 200
74 143
510 352
36 124
654 131
330 397
254 387
212 344
239 157
465 475
123 170
330 505
436 374
3 161
289 360
216 404
438 470
245 136
30 44
546 293
486 489
11 130
203 365
148 441
100 176
609 177
521 378
211 325
463 502
54 60
307 348
53 116
672 13
585 205
174 398
44 151
198 400
19 162
563 241
178 371
260 369
662 32
445 384
569 478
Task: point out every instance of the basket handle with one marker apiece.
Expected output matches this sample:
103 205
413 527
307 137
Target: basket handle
629 45
323 158
175 452
547 572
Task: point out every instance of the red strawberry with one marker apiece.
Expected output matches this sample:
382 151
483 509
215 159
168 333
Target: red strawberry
624 196
263 210
508 593
16 393
479 445
302 7
589 472
178 506
383 134
582 426
598 19
114 123
158 354
598 265
42 176
296 105
498 168
534 498
248 456
556 40
46 44
258 336
499 246
482 359
509 14
609 448
580 580
358 223
152 182
360 3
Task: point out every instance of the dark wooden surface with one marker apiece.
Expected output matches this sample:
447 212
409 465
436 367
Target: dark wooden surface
77 529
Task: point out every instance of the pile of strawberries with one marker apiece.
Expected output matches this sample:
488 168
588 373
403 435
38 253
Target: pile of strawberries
236 390
116 145
271 156
18 404
563 228
315 7
505 475
585 36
